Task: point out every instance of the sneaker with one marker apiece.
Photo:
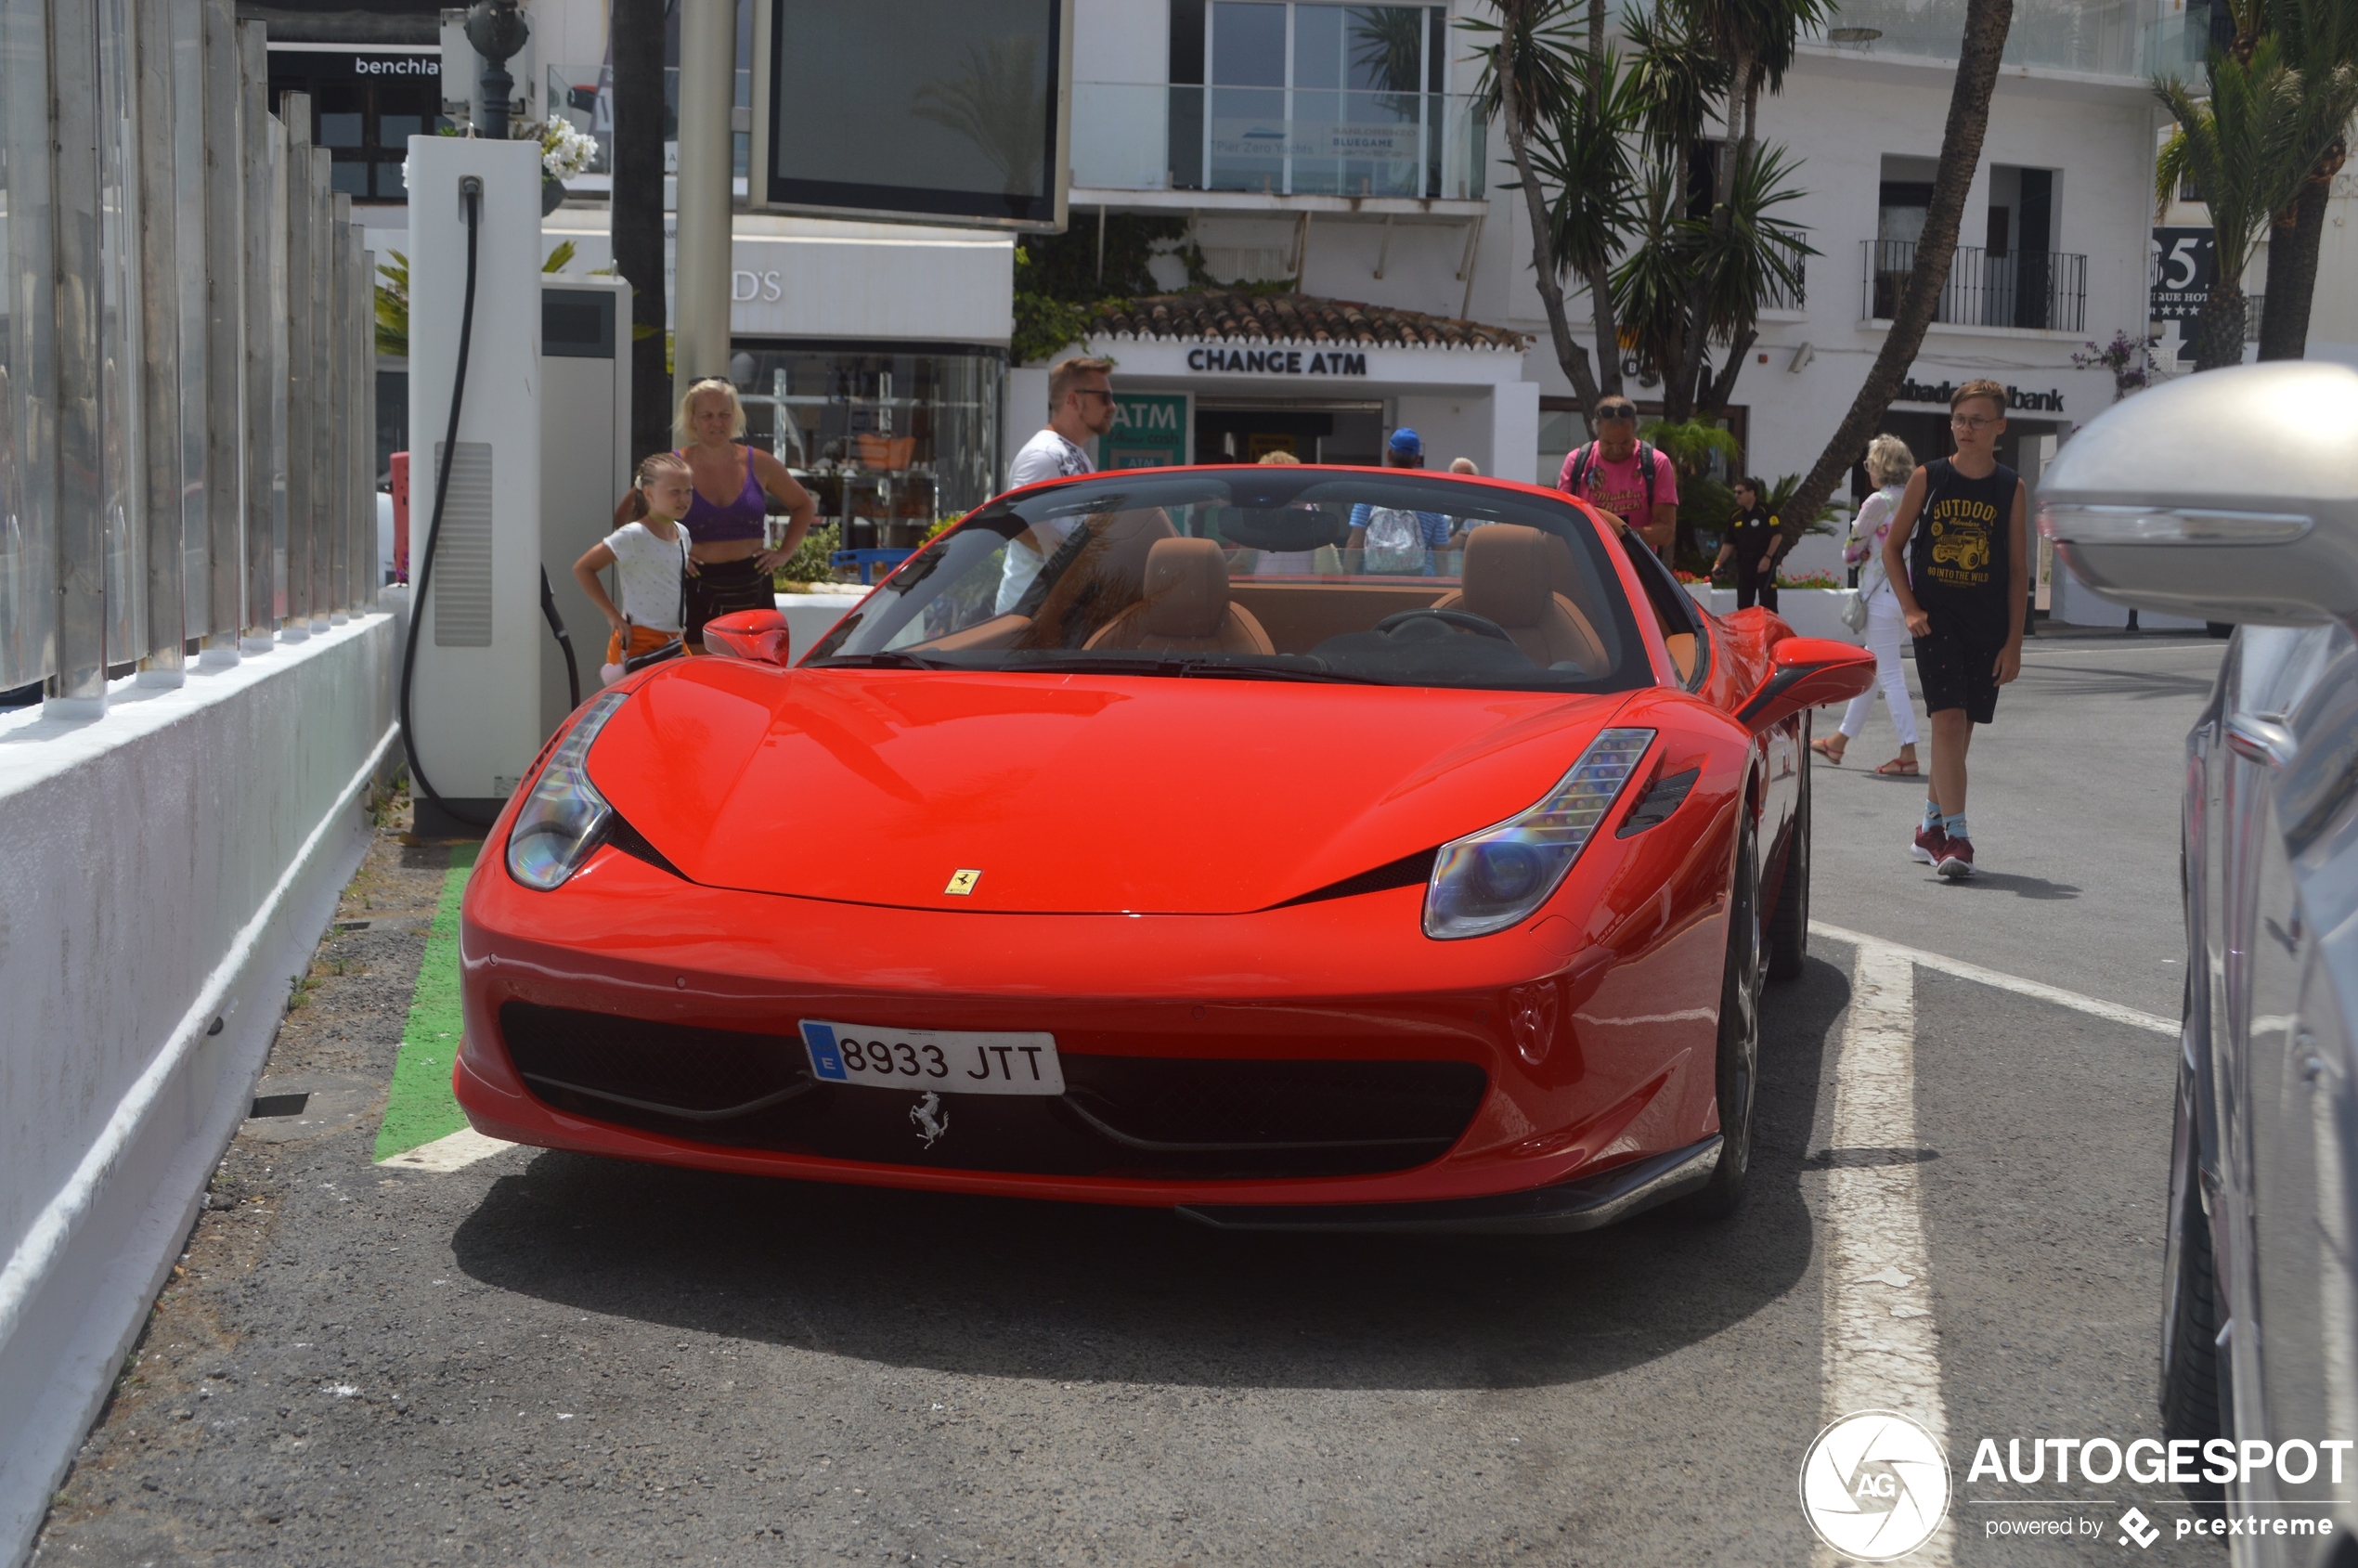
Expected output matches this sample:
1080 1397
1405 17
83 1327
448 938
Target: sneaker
1930 842
1956 859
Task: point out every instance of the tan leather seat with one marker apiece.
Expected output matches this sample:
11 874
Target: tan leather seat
1186 608
1508 579
1105 578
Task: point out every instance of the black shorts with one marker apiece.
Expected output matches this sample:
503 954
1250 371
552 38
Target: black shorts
1959 672
720 587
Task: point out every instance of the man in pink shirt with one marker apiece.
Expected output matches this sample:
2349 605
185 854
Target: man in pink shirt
1621 475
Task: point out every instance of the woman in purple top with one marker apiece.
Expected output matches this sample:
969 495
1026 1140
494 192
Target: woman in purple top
729 556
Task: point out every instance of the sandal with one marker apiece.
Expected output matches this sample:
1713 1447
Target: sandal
1897 768
1825 749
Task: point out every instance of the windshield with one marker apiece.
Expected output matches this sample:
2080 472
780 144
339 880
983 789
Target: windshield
1266 573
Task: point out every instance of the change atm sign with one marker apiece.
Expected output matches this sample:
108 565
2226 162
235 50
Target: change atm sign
2182 263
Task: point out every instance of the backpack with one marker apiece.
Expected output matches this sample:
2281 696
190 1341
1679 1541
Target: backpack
1395 540
1582 460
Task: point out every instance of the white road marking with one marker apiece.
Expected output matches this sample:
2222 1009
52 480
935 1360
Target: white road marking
2003 981
1882 1347
456 1152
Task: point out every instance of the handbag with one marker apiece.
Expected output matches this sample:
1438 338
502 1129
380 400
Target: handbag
1854 609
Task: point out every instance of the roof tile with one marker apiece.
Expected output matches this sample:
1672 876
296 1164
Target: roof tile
1228 316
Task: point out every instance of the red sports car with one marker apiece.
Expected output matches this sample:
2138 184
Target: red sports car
1300 848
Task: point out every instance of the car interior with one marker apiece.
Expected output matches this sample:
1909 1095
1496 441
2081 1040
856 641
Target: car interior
1245 582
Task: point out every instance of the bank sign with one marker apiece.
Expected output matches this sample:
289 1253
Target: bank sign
2029 401
1149 431
1277 361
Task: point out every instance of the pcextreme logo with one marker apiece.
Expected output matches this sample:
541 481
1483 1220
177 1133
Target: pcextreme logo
1874 1485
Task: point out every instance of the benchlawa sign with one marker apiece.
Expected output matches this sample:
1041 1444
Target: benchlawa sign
1914 391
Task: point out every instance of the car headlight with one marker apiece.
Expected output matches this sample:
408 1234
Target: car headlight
565 817
1486 881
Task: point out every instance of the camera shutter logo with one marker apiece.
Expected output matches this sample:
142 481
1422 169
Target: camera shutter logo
1874 1485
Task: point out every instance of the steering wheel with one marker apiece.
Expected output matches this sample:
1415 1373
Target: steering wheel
1460 619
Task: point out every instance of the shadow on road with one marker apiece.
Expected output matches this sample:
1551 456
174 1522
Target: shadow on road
1073 1291
2010 882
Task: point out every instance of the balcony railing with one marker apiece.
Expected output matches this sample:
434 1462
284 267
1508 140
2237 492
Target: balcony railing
2093 37
1279 141
2035 290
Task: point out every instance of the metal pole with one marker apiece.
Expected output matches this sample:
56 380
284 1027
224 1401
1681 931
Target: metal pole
222 115
159 275
303 408
708 88
78 689
260 148
343 411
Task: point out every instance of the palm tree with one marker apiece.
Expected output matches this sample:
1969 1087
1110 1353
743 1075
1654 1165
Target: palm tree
995 104
2320 39
1754 41
1978 57
1531 73
2249 145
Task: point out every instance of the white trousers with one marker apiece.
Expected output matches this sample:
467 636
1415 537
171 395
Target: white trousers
1886 633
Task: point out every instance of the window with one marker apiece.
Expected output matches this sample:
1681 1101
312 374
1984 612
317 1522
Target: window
365 107
1343 100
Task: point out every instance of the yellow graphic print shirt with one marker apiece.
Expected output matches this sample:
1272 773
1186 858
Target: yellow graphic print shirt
1958 563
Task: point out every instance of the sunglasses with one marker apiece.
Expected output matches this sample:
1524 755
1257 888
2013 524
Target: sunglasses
1616 411
1092 392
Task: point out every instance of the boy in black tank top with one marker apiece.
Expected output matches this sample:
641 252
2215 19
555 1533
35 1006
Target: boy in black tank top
1958 563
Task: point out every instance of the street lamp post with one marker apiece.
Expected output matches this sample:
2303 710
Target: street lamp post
497 30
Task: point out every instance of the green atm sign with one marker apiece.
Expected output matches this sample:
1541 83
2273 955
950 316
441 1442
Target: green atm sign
1149 431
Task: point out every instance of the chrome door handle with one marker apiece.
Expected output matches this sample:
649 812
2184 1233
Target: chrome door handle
2257 740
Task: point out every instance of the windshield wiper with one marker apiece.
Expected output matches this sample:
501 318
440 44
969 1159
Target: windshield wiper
891 658
1184 664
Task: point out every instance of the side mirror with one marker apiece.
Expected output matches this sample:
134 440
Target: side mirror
1806 672
757 635
2228 496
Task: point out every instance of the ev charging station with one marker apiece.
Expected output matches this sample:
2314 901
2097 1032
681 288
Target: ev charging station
472 676
542 456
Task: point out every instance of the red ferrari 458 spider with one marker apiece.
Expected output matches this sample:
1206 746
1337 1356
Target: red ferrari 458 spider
1208 838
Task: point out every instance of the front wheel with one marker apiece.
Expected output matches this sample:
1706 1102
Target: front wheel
1737 1074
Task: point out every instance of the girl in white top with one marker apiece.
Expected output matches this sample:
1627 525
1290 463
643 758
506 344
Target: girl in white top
652 557
1888 464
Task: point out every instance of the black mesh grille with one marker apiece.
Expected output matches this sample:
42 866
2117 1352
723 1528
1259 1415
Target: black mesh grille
1130 1115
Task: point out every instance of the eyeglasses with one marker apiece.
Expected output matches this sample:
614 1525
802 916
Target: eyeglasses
1972 422
1616 411
1092 392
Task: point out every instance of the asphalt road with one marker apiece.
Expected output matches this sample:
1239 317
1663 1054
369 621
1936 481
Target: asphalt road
547 1359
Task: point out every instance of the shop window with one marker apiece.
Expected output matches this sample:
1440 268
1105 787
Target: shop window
364 121
889 440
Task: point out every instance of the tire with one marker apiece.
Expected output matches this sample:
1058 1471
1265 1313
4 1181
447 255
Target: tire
1789 926
1737 1069
2194 1391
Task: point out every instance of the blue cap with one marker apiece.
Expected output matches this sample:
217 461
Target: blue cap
1407 440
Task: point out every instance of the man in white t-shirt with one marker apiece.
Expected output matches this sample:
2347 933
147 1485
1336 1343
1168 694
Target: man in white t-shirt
1081 408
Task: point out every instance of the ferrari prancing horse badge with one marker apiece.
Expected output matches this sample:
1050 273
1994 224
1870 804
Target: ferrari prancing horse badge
963 882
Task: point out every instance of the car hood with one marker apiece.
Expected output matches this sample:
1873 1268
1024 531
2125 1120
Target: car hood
1068 793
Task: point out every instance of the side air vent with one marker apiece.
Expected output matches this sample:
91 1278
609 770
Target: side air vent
1665 797
1409 870
628 839
462 550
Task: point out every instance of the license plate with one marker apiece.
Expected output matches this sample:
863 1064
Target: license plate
950 1062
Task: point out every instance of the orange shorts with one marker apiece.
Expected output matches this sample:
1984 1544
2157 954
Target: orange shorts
644 640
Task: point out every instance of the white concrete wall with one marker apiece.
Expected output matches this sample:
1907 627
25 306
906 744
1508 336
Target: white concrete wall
1453 424
168 864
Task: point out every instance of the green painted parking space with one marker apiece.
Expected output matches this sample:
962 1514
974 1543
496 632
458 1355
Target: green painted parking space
420 1106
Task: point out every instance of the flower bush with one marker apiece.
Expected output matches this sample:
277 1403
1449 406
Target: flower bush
566 151
2130 359
1808 580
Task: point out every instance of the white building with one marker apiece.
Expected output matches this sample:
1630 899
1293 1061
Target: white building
1255 122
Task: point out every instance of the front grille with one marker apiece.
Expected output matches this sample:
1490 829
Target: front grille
1119 1116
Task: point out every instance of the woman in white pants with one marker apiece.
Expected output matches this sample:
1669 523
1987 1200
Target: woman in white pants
1888 464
